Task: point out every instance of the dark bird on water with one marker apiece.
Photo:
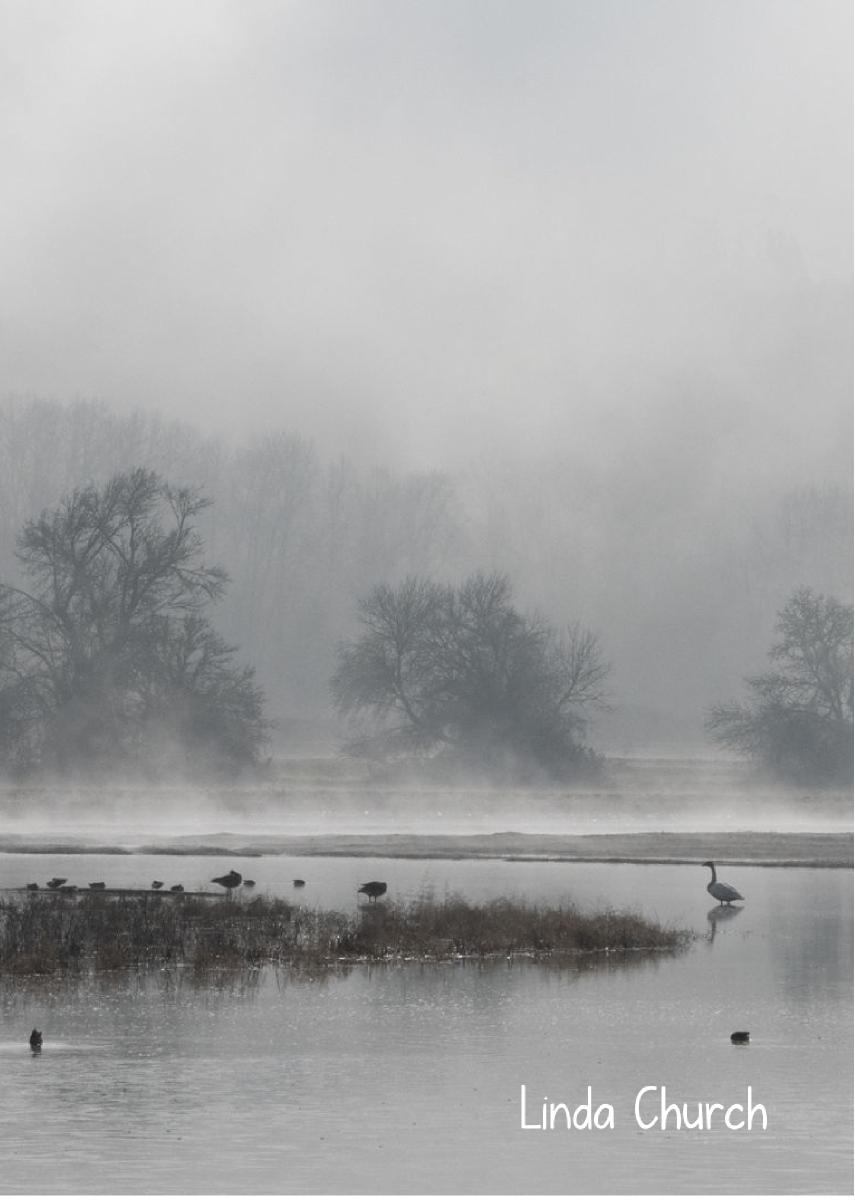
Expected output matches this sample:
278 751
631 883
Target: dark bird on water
55 883
177 887
98 886
373 889
723 892
36 1039
32 887
740 1037
299 883
229 881
249 883
157 884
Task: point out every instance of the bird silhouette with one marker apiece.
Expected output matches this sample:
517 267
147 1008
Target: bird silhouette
249 883
98 887
229 881
157 884
32 887
740 1037
36 1039
299 883
373 889
722 892
55 883
177 887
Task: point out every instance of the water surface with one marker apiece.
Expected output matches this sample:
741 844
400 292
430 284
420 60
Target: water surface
407 1077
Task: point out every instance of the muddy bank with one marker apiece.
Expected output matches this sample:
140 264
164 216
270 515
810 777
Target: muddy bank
749 847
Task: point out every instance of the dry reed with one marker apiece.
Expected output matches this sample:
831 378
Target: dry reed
47 933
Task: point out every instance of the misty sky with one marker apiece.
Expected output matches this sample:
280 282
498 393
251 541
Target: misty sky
422 229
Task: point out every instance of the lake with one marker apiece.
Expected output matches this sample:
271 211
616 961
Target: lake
406 1077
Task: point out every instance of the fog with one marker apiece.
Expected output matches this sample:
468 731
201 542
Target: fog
421 232
556 289
329 807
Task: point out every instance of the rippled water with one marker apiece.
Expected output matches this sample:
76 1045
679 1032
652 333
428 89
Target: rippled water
407 1077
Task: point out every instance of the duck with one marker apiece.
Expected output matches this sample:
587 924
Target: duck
98 887
177 887
36 1039
232 880
299 883
722 892
373 889
156 884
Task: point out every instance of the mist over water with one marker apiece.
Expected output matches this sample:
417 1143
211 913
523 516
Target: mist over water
318 797
555 293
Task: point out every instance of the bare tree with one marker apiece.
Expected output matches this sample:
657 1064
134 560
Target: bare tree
91 649
462 674
798 719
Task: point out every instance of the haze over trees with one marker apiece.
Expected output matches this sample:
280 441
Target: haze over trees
681 573
798 717
107 656
461 674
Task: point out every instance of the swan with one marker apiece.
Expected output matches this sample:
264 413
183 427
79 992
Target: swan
722 892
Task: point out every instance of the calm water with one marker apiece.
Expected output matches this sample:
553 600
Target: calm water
407 1078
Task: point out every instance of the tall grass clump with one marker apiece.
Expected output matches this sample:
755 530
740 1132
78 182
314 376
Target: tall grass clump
454 927
43 934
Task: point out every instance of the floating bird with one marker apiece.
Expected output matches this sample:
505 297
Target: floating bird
722 892
55 883
157 884
299 883
177 887
373 889
32 887
249 883
740 1037
98 887
232 880
36 1039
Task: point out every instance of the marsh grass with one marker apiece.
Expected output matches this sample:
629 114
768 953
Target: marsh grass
42 934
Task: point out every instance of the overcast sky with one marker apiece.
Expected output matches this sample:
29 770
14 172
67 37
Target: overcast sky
414 228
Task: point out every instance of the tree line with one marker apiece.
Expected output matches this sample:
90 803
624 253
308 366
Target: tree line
303 533
108 657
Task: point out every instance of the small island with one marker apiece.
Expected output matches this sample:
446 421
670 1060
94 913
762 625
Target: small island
43 933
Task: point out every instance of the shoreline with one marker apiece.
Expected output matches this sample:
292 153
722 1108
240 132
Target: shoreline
745 848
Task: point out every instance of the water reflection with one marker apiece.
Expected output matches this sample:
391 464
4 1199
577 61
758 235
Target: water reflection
720 916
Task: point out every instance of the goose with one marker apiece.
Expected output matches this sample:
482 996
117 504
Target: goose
722 892
229 881
373 889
